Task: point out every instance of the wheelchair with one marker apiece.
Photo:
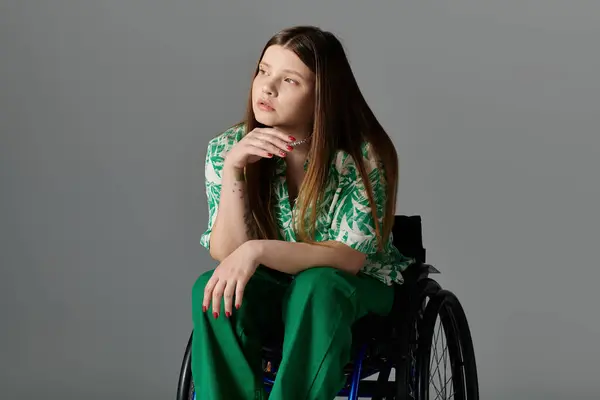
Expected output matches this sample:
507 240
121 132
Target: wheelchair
425 332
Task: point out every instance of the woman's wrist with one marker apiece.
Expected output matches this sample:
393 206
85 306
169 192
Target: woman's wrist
254 249
233 170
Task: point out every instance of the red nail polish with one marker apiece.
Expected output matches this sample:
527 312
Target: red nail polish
216 315
290 148
228 314
204 308
270 155
237 306
293 139
282 154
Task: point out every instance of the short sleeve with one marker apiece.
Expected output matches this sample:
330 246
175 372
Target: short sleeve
213 169
352 221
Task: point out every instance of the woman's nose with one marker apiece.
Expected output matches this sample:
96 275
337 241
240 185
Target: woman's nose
268 86
267 90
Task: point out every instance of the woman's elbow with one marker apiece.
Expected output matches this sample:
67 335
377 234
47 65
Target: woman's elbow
217 250
215 254
221 250
355 263
349 259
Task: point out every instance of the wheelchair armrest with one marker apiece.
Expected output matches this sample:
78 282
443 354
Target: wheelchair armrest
419 269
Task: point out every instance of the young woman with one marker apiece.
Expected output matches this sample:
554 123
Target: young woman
302 197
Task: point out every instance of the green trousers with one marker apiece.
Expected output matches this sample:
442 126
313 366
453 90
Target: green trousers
314 311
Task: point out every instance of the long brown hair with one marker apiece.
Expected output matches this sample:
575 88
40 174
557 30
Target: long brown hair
342 121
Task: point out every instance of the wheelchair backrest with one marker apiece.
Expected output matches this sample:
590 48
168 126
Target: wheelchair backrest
408 237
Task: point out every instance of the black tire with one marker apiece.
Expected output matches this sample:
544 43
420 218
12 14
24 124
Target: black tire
457 334
404 386
191 392
185 386
424 290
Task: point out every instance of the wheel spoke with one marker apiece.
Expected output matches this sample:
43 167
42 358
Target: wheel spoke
440 359
444 349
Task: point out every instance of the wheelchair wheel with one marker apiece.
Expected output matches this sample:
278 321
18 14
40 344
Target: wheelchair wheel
185 386
425 289
445 362
192 392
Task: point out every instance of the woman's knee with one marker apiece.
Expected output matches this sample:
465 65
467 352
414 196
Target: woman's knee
324 283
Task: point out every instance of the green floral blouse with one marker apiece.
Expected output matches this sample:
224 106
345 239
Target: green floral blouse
344 214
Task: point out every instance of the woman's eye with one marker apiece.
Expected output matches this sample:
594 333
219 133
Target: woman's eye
290 80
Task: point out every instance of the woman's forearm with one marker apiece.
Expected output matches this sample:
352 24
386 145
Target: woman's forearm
233 224
292 257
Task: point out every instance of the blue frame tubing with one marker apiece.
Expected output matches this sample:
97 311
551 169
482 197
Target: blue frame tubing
352 393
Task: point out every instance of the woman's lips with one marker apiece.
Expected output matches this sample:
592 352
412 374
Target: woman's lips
265 106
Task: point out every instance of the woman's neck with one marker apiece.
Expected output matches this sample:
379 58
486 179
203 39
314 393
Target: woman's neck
299 133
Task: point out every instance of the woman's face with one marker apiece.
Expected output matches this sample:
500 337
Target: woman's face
283 91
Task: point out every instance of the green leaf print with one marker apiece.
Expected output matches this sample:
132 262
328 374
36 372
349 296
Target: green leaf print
344 213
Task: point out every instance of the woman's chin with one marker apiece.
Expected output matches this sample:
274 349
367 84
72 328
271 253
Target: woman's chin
268 120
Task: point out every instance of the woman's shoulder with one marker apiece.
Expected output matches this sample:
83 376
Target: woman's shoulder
225 140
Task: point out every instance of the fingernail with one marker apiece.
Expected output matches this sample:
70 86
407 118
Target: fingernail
237 306
282 154
292 138
228 314
270 155
290 148
216 315
204 308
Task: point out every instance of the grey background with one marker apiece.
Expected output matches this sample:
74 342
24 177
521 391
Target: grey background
106 108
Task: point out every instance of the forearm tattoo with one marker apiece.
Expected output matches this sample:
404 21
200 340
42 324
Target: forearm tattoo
239 189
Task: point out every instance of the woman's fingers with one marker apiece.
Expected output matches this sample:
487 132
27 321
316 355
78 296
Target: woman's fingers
272 140
228 297
220 289
259 151
268 146
217 295
239 292
276 133
208 292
